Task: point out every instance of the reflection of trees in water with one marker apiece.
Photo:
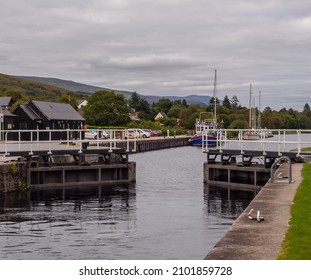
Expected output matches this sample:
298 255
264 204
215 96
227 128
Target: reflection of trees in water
226 203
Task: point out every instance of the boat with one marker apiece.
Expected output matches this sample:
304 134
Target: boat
268 133
252 133
205 131
206 128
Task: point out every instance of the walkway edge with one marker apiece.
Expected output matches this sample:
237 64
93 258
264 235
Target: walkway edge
251 240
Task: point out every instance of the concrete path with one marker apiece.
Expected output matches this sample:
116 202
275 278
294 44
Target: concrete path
251 240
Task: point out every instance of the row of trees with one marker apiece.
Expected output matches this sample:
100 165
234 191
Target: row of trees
105 108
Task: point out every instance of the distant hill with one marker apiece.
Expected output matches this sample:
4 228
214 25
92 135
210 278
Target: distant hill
88 89
72 86
16 86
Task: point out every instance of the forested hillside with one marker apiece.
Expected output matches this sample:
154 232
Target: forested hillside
23 90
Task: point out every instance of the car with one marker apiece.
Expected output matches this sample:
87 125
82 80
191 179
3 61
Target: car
93 134
159 132
137 133
154 133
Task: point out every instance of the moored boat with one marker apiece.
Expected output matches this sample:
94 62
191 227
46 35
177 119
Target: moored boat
206 129
251 135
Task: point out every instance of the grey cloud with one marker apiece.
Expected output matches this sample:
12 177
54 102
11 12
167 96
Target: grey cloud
165 46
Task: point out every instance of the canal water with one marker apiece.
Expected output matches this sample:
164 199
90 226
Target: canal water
167 214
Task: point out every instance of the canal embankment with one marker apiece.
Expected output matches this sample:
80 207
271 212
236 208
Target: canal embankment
249 239
145 144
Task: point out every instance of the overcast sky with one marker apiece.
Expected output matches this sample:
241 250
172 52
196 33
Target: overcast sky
165 47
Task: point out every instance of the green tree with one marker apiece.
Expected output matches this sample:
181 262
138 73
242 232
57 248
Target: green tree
189 115
69 99
238 124
226 102
306 107
235 103
164 105
211 101
134 101
174 111
106 108
139 104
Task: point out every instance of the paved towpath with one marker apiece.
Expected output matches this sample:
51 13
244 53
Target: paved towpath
251 240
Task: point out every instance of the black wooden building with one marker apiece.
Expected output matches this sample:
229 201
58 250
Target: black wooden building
43 115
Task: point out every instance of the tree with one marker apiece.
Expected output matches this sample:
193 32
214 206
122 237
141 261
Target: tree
106 108
306 107
189 115
175 110
139 104
235 103
238 124
226 102
267 110
212 101
69 99
164 105
134 101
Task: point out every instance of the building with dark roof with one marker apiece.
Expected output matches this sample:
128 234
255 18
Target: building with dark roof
45 115
5 102
7 122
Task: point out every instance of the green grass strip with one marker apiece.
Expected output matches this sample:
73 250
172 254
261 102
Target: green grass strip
297 242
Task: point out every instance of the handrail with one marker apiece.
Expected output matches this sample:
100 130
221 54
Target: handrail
281 141
49 139
289 168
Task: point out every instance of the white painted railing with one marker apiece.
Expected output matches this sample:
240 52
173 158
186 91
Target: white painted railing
62 139
285 140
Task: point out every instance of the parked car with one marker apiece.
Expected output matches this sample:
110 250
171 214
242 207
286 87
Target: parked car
137 133
154 133
159 132
96 134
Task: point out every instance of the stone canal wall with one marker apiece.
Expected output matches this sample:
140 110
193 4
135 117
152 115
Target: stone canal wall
150 144
158 144
234 177
64 172
13 176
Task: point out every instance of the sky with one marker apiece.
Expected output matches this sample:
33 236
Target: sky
165 47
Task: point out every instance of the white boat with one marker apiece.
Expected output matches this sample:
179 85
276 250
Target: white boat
251 135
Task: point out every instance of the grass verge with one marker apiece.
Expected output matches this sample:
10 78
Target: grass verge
296 245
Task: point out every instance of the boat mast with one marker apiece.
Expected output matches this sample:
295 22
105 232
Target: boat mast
250 107
214 95
254 113
259 111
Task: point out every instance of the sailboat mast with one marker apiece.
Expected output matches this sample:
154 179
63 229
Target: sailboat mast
214 95
250 107
259 111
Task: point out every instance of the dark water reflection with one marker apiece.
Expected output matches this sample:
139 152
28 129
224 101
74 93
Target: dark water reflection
168 214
